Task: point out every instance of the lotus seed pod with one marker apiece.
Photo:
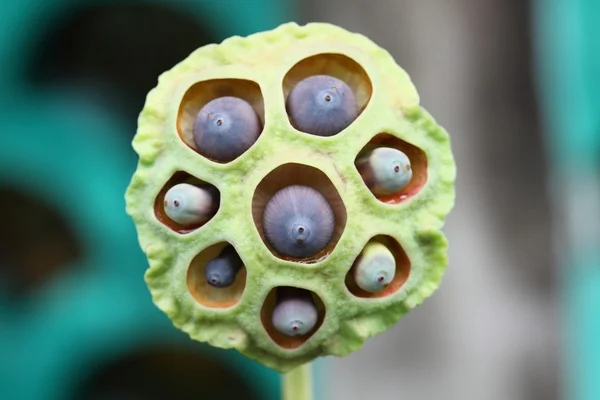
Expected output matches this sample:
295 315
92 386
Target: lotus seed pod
282 170
375 268
187 204
221 270
225 128
385 170
295 313
322 105
298 221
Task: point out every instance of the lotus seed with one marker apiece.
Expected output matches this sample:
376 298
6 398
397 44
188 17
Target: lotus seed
321 105
295 313
375 268
187 204
221 271
225 128
298 221
385 170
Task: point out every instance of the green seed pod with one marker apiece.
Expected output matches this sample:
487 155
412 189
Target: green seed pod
262 70
375 268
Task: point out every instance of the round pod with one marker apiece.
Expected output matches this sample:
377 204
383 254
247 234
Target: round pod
385 170
276 61
225 128
321 105
375 267
298 221
187 204
221 270
295 313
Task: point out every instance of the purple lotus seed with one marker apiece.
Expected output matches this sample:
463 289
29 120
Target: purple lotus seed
225 128
295 313
221 270
321 105
298 221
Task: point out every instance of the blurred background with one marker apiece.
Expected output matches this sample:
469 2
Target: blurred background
515 82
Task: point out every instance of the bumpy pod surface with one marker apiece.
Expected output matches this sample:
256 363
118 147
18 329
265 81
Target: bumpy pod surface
262 69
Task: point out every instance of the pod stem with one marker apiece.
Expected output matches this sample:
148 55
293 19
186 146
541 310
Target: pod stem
297 384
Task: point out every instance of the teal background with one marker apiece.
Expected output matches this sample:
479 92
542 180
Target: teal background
60 145
568 41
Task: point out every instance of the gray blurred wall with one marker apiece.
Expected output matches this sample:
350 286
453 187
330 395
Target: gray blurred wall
490 332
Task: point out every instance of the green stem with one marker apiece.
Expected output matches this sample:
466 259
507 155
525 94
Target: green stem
297 384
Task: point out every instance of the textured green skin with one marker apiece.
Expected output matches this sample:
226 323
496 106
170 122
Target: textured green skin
393 108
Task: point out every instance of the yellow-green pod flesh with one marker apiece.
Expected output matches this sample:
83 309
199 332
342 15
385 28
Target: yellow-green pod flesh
262 69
